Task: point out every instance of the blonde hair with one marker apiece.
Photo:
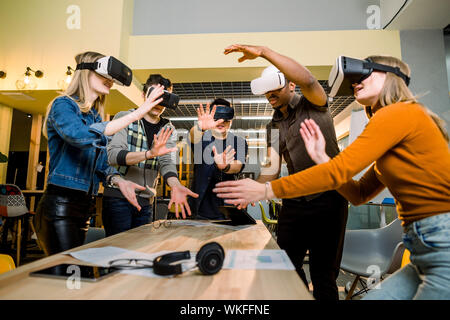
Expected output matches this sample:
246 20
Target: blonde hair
395 89
79 89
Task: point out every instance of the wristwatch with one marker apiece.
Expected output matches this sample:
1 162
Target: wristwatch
109 179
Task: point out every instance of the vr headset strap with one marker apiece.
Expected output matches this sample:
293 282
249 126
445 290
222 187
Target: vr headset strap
87 65
384 68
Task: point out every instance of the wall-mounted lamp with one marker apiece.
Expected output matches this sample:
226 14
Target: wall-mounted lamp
2 74
64 83
27 81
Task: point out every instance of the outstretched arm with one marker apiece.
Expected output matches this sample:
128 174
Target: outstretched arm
294 71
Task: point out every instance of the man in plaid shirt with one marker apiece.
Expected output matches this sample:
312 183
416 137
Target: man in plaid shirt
130 150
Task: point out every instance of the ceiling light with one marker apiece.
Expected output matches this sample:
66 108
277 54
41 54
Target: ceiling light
232 100
251 101
183 118
254 117
256 140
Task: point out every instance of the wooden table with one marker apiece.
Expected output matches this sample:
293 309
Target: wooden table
225 285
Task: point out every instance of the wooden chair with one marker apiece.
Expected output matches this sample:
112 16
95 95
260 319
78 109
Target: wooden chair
16 216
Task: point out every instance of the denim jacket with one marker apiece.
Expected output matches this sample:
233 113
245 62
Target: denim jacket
77 147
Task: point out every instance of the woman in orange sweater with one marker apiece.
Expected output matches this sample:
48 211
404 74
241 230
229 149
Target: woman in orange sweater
408 147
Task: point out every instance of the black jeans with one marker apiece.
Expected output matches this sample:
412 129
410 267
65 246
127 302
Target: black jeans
118 215
317 225
62 219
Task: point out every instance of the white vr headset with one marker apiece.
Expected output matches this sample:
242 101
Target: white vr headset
110 68
271 79
347 71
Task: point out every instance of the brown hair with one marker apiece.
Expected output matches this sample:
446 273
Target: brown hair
395 89
78 89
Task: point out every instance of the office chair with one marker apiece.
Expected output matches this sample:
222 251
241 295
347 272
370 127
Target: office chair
271 220
94 234
372 253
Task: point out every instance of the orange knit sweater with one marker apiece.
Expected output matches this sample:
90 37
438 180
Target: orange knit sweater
412 159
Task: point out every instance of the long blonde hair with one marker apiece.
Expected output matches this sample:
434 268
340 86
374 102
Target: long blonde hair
78 89
395 89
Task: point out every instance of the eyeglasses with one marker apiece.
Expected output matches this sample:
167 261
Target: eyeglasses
130 264
165 223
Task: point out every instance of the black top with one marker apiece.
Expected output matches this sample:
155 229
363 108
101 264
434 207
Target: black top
206 174
151 129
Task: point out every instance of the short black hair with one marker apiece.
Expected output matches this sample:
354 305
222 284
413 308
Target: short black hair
220 102
157 79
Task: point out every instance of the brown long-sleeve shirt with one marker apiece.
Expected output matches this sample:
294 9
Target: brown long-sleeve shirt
412 159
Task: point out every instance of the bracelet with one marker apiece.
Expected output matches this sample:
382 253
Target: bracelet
198 127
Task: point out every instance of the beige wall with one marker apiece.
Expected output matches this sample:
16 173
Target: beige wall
6 114
35 34
311 48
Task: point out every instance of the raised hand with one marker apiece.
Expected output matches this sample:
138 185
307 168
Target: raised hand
206 118
159 147
250 52
314 141
152 100
225 158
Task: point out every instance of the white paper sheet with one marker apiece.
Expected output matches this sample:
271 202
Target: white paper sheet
257 259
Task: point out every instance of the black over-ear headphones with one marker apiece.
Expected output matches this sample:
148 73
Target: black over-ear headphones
209 260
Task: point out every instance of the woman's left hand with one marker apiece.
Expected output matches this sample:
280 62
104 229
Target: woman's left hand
242 192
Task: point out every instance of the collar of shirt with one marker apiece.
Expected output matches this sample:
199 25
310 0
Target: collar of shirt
278 115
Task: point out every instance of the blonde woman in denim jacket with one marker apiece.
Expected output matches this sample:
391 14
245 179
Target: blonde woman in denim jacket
77 140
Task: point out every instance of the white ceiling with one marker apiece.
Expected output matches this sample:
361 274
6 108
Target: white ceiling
418 14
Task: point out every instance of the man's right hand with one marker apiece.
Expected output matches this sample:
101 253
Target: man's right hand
206 118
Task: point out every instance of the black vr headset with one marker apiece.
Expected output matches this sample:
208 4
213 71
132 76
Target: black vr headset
170 100
347 71
224 112
209 260
110 68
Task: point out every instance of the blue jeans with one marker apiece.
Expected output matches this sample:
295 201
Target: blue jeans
427 277
119 215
